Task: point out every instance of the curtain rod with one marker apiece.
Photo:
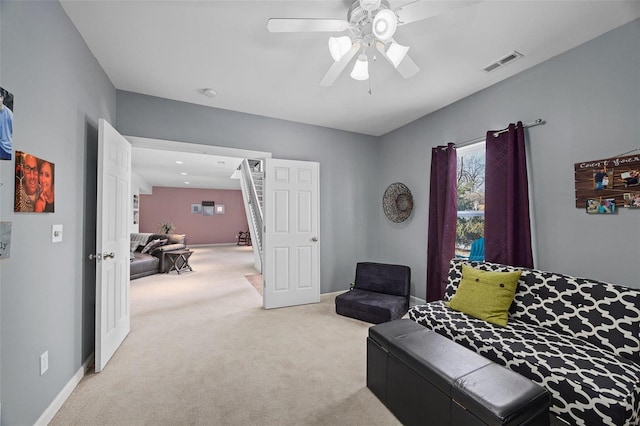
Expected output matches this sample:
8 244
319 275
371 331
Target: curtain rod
480 139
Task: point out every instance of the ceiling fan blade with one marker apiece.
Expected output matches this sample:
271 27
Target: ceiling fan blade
419 10
339 66
407 68
295 25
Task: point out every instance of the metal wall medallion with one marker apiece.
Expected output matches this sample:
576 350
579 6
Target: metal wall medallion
397 202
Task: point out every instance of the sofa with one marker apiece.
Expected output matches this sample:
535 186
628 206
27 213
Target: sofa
147 252
576 337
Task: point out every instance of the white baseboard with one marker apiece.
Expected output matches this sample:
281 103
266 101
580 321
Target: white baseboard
210 245
62 396
413 301
416 301
335 292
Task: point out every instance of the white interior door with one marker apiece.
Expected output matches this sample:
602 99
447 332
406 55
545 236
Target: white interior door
291 266
112 240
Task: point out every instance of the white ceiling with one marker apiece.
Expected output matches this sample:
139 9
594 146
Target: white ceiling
185 165
159 168
173 49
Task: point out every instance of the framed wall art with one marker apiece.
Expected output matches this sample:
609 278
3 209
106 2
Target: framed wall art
616 179
35 184
5 240
208 208
601 206
6 124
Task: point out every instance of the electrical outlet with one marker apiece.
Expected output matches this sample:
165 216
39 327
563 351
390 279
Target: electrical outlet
44 362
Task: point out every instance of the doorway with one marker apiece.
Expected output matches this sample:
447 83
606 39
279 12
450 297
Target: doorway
205 167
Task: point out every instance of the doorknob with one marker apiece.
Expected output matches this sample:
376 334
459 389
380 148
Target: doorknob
95 256
108 255
314 239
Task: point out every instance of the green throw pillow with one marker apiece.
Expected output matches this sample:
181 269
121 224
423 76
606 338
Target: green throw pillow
485 295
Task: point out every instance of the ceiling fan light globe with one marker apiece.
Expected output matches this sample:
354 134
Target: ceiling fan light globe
396 53
361 68
385 24
338 46
370 5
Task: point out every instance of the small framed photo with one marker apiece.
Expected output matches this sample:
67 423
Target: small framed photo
5 240
219 208
601 206
207 210
630 178
35 184
136 217
196 208
6 124
602 179
632 200
136 201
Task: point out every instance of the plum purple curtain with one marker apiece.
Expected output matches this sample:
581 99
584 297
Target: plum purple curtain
507 228
442 219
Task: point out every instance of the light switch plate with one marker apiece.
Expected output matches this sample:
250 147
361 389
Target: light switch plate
56 233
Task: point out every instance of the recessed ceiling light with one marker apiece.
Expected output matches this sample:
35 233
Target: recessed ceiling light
210 93
178 162
187 182
183 173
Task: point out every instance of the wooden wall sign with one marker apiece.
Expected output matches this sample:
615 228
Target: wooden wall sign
616 179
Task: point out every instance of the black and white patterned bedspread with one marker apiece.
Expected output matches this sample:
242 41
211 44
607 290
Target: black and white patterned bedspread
606 315
588 385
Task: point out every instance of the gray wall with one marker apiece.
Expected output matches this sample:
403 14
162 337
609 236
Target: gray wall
590 99
60 92
347 166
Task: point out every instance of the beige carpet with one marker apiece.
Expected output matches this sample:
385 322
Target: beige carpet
202 351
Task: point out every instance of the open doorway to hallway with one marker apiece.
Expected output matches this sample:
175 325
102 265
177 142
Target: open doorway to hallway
198 169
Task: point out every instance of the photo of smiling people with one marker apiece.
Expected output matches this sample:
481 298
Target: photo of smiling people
6 124
35 184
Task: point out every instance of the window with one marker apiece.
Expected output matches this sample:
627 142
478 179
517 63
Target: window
470 177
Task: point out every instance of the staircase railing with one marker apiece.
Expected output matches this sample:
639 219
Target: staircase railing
253 204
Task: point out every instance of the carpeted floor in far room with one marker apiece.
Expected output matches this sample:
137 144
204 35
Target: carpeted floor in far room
256 281
203 351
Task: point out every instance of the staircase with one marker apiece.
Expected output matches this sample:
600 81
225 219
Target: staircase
251 178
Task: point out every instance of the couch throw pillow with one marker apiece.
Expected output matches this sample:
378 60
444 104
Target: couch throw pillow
158 247
485 295
150 246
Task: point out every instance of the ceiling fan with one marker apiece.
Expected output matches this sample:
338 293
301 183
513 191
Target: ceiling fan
370 23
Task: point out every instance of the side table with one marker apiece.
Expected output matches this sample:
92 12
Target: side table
179 260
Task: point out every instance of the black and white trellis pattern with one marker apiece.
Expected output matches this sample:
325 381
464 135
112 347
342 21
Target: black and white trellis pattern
576 337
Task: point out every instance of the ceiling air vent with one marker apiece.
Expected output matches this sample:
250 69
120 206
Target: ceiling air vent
503 61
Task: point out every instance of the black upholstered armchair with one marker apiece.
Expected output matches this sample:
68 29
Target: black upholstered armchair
380 293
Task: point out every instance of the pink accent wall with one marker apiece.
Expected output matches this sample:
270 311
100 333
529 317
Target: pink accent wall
174 205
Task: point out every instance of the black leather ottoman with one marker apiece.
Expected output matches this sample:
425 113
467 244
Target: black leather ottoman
424 378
